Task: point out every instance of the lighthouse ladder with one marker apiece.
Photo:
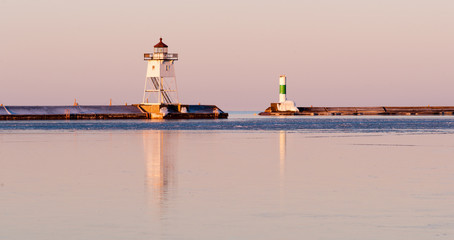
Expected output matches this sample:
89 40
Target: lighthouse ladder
155 81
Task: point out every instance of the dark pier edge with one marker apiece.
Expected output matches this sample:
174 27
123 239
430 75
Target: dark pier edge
352 111
73 117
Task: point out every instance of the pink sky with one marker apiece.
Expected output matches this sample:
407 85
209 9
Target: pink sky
334 53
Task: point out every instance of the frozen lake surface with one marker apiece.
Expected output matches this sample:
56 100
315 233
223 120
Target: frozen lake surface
248 121
247 177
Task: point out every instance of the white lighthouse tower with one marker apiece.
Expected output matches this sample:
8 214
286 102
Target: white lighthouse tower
284 104
282 89
160 83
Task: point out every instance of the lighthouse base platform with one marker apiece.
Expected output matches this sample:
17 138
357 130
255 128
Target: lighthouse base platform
273 110
182 111
96 112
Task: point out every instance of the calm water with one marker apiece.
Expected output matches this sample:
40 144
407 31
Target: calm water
246 177
248 121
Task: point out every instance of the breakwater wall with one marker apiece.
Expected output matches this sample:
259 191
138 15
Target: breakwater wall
94 112
381 110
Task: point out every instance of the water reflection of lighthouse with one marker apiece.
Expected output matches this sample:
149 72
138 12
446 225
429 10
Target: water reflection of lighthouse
159 149
282 155
282 159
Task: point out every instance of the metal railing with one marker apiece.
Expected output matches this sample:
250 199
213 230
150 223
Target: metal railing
160 56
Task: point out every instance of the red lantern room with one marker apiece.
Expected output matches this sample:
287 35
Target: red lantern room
160 47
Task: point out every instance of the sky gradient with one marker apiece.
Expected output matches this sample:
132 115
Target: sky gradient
231 53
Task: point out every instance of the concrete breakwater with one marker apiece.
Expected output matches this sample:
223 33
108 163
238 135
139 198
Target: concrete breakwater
139 111
273 110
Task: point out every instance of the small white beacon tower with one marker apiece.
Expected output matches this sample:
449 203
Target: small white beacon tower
282 88
160 82
284 104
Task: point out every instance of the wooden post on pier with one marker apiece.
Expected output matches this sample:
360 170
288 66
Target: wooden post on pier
67 114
